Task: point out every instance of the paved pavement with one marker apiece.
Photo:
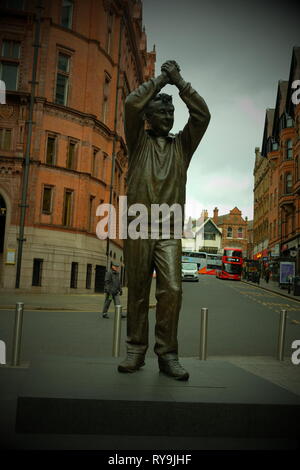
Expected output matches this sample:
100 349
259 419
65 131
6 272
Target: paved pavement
59 302
272 286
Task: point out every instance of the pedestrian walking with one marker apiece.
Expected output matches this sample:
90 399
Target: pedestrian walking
112 289
267 275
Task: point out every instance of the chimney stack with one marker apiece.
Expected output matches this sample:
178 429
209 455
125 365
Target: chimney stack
216 215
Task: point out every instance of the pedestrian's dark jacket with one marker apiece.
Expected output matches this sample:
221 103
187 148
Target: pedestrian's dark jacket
158 166
112 283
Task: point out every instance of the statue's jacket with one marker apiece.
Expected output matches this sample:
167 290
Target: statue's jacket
157 166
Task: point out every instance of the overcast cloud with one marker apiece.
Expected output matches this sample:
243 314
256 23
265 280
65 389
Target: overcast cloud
233 52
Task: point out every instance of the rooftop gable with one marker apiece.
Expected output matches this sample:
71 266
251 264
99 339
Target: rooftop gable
268 129
280 107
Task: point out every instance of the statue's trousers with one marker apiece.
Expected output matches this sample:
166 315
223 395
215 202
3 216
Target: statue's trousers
142 256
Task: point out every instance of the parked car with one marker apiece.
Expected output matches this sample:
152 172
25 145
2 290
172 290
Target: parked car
189 272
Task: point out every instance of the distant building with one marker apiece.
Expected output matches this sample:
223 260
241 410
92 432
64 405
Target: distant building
234 229
206 236
91 55
213 234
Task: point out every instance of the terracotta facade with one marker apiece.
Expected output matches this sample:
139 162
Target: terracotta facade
280 157
91 55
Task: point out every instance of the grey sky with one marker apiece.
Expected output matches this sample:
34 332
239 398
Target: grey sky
233 52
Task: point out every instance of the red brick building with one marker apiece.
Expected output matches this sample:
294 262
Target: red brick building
287 133
234 229
280 156
261 206
91 55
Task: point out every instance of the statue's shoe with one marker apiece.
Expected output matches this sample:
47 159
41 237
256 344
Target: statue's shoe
173 368
132 362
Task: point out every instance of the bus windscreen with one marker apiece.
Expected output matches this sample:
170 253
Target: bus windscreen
233 253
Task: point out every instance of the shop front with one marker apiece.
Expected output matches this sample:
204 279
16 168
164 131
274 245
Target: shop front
263 258
273 263
291 250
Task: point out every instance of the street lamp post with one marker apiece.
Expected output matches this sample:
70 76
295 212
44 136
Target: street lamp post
23 204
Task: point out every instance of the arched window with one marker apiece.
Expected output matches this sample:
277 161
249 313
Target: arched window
229 232
240 232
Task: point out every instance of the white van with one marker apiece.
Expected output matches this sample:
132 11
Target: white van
189 272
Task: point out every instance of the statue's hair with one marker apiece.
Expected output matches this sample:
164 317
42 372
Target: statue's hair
163 97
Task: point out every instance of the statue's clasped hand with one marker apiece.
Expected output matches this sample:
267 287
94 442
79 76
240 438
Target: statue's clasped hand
171 69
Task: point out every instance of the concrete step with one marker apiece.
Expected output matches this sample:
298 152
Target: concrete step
69 395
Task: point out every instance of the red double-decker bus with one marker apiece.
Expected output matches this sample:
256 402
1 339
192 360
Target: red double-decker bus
232 263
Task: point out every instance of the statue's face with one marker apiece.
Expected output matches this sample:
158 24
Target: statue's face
161 118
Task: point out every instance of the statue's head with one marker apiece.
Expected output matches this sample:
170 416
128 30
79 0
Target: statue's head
160 114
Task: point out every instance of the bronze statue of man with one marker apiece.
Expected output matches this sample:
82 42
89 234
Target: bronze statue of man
158 163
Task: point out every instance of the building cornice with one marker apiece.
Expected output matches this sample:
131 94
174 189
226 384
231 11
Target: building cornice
83 118
12 160
63 228
81 174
